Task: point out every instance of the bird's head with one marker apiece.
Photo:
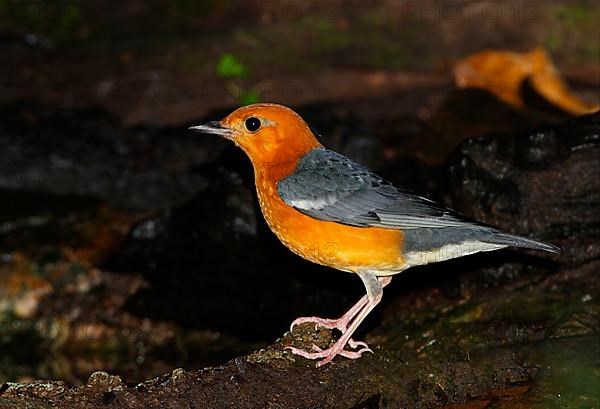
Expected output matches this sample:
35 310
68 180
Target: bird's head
269 134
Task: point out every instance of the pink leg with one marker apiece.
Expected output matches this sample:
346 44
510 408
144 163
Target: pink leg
340 323
374 287
338 347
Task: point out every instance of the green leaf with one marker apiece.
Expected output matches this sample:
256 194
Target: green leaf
229 67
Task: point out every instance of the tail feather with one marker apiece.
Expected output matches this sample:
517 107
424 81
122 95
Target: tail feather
519 241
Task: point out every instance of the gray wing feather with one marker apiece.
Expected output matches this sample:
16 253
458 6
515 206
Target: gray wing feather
329 186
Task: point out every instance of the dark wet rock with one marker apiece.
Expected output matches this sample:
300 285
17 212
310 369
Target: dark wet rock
543 183
434 356
45 392
242 383
64 320
88 153
151 167
465 113
474 330
213 263
105 382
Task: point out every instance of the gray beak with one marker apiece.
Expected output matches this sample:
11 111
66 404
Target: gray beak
213 127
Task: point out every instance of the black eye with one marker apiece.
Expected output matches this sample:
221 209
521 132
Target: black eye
252 124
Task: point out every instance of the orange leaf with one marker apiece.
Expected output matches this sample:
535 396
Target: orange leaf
503 72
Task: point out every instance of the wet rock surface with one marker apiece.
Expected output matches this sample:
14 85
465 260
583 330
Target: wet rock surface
281 383
88 153
213 263
193 278
542 180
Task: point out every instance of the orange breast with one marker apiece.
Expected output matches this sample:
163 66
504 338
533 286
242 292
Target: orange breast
328 243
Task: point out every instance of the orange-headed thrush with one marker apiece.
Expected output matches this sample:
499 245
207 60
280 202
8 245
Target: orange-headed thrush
333 211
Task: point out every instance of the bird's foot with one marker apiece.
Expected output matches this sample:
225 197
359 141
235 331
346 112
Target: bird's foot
330 353
341 323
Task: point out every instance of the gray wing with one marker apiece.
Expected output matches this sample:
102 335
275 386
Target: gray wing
329 186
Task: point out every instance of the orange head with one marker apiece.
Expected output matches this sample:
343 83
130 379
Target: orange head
270 134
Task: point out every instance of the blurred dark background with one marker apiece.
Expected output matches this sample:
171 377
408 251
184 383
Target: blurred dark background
156 61
128 244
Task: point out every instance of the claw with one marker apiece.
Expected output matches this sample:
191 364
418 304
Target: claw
355 344
307 355
355 354
341 323
319 322
329 353
315 347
